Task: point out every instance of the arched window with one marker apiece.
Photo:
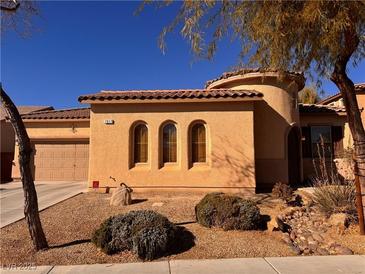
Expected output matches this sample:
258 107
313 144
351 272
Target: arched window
140 144
198 143
169 146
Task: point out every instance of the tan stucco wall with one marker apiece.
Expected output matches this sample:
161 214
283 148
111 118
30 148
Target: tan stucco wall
274 116
230 148
58 130
51 131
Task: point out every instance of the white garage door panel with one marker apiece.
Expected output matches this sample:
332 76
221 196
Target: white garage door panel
61 161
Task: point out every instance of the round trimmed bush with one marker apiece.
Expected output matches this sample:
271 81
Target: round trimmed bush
227 212
148 234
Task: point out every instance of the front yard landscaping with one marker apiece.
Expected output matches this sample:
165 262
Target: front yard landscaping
70 225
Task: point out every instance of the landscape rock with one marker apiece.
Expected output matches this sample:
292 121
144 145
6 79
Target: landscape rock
322 251
307 231
121 196
339 220
272 225
286 238
295 248
342 250
284 227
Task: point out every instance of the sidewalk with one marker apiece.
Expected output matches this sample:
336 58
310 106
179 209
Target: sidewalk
351 264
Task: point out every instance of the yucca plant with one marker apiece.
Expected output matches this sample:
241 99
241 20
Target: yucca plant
332 194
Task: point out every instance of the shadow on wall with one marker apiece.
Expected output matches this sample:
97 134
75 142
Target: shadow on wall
233 161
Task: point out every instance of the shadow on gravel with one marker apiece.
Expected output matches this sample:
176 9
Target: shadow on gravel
77 242
137 201
263 222
183 242
186 223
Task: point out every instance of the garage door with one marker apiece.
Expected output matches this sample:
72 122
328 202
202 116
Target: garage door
61 161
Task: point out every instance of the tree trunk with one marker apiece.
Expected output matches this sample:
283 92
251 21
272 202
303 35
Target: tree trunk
30 194
347 89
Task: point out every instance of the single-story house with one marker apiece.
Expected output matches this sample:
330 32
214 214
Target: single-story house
7 142
245 131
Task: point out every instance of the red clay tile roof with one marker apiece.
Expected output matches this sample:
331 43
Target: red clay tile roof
24 110
68 114
360 87
317 108
169 94
243 71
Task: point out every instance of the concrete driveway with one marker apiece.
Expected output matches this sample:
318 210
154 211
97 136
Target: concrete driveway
49 193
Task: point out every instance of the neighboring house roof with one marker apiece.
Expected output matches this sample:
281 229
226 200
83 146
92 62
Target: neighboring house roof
360 87
318 108
299 77
68 114
170 94
24 110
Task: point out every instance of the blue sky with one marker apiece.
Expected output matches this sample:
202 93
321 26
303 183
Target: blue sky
84 47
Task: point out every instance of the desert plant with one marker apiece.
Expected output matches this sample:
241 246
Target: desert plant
335 197
331 193
282 191
228 212
148 234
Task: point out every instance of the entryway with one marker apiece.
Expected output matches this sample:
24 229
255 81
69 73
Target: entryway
294 157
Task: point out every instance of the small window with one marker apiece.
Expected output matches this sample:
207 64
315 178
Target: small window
140 144
321 135
198 143
169 143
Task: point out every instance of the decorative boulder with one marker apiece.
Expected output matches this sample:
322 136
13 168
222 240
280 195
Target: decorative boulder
121 196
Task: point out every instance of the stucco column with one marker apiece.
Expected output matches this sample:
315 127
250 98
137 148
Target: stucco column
154 148
184 149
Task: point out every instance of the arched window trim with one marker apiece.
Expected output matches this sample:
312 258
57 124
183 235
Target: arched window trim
170 156
193 161
135 160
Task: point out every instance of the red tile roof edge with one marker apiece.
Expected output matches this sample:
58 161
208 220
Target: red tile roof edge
360 87
59 114
318 108
169 94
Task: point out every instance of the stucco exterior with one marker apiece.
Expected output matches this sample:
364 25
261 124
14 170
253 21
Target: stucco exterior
253 129
247 139
230 148
7 139
274 117
52 131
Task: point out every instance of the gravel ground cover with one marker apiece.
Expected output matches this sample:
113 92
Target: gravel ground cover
69 226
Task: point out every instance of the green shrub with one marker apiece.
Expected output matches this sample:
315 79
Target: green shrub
332 194
102 236
147 233
228 212
282 191
335 197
